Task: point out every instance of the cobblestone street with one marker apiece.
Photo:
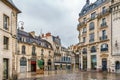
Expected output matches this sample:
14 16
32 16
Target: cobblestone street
63 75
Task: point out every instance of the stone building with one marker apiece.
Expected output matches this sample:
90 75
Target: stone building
8 26
62 60
32 48
95 36
115 35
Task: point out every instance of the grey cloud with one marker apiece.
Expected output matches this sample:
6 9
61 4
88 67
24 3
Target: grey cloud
56 16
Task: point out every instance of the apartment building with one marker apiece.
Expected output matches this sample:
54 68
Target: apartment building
31 49
8 26
95 36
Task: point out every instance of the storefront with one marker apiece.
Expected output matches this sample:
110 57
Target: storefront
33 64
93 62
85 62
49 64
23 65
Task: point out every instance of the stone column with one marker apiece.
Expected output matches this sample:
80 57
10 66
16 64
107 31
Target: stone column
88 60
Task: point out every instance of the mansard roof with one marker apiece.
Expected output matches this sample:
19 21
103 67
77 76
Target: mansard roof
29 39
89 7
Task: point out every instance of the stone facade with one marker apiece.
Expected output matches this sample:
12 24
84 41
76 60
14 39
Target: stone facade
115 38
32 48
95 36
99 36
8 22
62 58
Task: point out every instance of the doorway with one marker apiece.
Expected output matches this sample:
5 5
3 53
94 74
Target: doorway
104 64
117 66
33 66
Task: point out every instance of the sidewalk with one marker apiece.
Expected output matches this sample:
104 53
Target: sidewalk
46 73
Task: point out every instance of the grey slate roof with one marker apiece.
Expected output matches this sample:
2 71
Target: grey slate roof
11 2
88 7
30 39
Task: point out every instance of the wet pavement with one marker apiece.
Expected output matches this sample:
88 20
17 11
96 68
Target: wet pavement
69 75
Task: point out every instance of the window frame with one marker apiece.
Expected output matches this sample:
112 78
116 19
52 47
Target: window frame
6 42
6 22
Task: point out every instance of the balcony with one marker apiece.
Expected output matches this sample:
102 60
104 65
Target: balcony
81 43
57 54
103 38
81 24
104 49
91 40
104 25
103 13
92 18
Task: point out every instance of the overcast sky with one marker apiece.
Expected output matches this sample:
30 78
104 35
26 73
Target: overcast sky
60 17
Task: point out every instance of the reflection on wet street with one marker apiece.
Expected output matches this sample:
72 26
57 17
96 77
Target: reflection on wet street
69 75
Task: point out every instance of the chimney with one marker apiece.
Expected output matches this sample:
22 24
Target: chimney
42 36
48 34
58 37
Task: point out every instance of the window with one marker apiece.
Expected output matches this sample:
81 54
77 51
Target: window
91 26
104 47
103 32
84 39
93 49
103 22
5 22
33 50
84 51
93 15
42 56
104 36
91 37
6 42
103 9
23 49
23 61
84 19
84 30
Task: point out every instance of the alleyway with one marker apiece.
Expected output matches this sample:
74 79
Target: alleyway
68 75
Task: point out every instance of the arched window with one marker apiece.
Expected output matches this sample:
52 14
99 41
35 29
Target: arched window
23 61
91 26
33 50
23 49
84 51
104 47
93 49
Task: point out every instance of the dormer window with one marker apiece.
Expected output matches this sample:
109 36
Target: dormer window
84 11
